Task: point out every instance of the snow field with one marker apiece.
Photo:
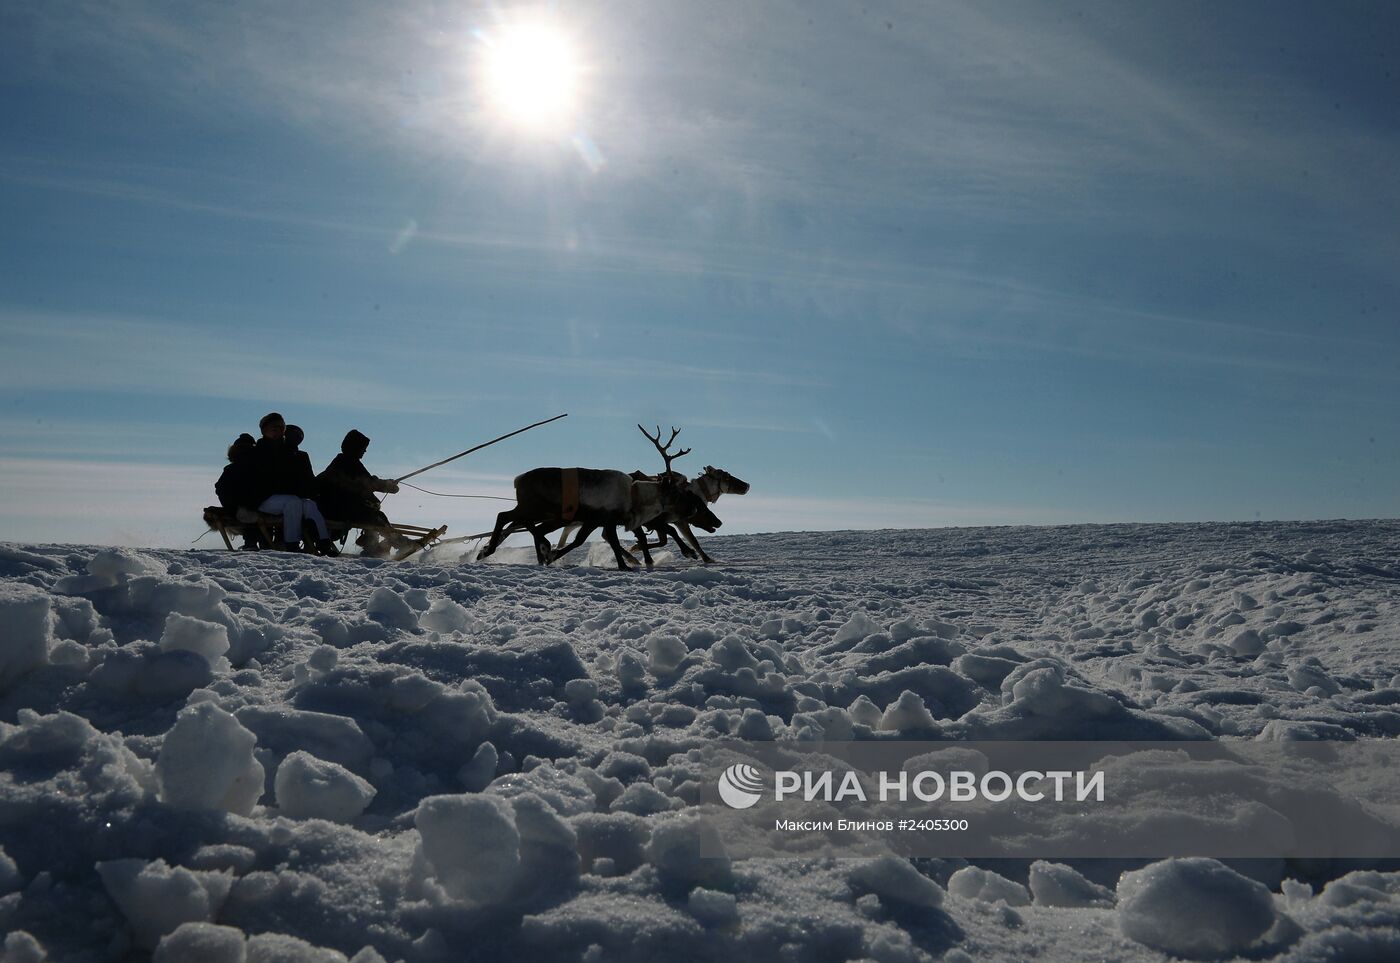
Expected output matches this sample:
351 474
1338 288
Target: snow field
253 757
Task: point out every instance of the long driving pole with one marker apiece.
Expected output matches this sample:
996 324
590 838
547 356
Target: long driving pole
481 446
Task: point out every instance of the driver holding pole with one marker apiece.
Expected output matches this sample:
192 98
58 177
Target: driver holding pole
346 492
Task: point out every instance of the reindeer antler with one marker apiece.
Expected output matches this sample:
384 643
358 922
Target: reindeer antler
656 440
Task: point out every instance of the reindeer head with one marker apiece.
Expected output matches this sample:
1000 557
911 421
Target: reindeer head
697 513
724 482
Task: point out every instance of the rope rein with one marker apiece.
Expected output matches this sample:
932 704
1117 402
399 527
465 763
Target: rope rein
499 498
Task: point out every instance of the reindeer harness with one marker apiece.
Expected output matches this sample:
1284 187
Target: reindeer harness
568 496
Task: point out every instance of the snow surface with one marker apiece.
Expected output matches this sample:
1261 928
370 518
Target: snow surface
233 756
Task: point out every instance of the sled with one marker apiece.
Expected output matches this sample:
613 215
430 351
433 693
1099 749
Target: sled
227 524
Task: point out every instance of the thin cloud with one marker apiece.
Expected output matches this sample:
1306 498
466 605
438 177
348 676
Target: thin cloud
652 370
49 351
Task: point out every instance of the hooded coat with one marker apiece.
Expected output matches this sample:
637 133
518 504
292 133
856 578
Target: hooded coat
238 487
345 490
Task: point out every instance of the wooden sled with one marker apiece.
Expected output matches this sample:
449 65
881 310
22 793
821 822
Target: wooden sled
226 523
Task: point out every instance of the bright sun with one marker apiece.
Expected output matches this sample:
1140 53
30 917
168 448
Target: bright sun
531 76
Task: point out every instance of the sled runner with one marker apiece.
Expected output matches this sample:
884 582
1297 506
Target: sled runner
411 538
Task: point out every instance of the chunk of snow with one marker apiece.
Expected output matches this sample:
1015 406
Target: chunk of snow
857 627
731 653
388 608
206 762
284 730
26 627
470 845
1193 907
864 712
281 948
895 881
311 788
688 852
642 799
477 774
1055 884
205 942
1247 643
1306 676
713 908
189 634
10 879
971 882
113 564
156 898
21 947
665 653
907 713
631 674
445 615
580 691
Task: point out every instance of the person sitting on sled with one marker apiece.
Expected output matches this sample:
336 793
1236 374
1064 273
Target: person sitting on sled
346 492
286 486
237 489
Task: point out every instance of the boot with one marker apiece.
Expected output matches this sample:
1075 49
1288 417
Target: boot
327 548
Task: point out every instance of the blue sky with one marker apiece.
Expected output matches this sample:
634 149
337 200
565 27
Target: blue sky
896 265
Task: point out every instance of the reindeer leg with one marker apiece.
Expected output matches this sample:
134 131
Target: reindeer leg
583 532
543 552
542 549
569 529
643 544
610 536
686 550
695 542
645 547
498 534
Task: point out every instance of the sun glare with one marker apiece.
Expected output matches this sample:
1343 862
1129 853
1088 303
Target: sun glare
531 76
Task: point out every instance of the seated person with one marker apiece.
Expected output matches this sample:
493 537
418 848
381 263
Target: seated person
237 489
286 488
346 491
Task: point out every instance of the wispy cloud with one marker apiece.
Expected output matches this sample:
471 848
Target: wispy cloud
103 502
48 351
760 513
649 369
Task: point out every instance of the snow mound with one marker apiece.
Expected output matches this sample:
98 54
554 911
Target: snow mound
156 898
206 762
1055 884
205 942
687 852
26 627
986 886
311 788
1196 908
390 609
469 845
185 633
895 880
21 947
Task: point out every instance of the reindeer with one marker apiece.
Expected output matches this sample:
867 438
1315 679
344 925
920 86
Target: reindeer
606 499
707 488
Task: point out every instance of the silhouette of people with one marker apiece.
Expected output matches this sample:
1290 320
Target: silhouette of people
346 489
286 485
237 488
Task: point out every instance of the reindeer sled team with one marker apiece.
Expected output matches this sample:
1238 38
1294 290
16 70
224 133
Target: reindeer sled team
269 494
548 499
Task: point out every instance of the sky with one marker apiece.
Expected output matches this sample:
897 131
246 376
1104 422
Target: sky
895 264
